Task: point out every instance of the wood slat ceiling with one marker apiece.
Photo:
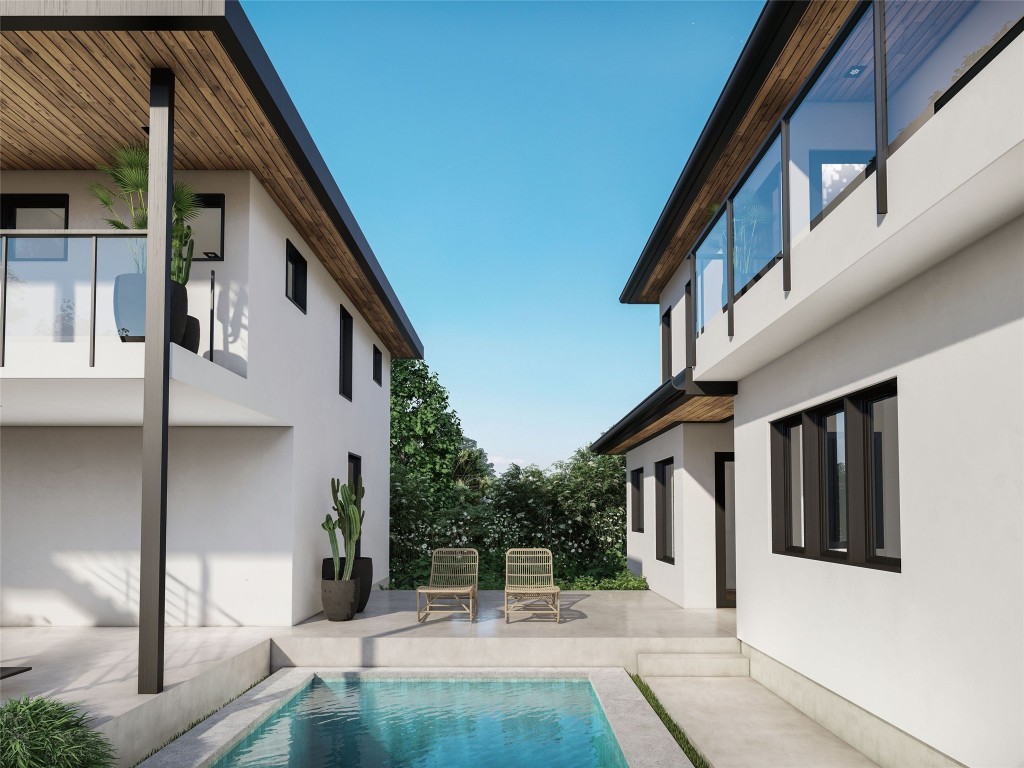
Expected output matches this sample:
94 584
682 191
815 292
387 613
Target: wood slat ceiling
814 33
67 99
698 409
917 28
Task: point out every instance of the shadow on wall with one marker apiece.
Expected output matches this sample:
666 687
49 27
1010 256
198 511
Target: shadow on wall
232 314
635 565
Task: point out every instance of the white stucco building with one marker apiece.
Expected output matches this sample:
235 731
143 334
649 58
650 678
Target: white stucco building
837 444
298 327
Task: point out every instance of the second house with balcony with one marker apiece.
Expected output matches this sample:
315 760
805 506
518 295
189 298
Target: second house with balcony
281 380
837 441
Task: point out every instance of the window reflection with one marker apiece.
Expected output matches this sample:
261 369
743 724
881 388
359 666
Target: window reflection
711 293
757 218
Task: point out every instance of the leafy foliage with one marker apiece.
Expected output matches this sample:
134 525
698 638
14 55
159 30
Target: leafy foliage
47 733
444 493
129 175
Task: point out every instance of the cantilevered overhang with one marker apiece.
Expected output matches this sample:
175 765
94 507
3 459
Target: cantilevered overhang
785 45
74 87
679 400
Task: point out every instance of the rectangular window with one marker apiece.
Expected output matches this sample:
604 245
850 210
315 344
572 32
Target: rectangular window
664 511
295 276
666 345
834 490
929 46
835 481
794 485
757 219
345 356
709 264
208 229
832 132
378 366
636 499
355 468
883 496
19 211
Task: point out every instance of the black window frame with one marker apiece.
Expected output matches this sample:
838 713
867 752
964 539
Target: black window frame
378 366
213 200
11 201
345 356
636 499
296 268
664 545
860 530
666 344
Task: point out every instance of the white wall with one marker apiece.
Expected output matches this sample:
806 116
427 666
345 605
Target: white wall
674 297
297 355
936 649
691 580
69 500
290 362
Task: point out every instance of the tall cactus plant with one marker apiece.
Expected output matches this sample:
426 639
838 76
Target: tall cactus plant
348 502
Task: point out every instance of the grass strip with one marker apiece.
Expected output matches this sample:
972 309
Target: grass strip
698 760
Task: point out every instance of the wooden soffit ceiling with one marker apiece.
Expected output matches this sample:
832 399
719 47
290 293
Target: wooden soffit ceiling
68 98
815 31
715 408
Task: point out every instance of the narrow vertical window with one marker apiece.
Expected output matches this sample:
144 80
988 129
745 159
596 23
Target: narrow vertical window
834 502
883 492
794 485
666 345
295 276
345 373
355 468
378 366
664 511
636 499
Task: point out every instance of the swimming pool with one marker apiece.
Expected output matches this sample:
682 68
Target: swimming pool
433 722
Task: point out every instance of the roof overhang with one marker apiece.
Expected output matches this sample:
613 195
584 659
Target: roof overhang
781 52
679 400
75 87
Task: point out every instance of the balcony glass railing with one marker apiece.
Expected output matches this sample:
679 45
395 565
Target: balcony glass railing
82 294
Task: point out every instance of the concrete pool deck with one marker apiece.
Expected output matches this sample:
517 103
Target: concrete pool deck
206 667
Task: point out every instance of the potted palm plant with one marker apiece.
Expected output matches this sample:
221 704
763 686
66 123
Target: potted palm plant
340 595
129 175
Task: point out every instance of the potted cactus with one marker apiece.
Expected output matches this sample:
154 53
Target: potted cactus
340 595
362 569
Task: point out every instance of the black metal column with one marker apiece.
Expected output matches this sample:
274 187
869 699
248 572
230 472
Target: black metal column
881 110
153 551
787 269
730 266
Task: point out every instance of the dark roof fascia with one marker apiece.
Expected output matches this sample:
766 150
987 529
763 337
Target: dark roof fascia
243 45
771 32
659 404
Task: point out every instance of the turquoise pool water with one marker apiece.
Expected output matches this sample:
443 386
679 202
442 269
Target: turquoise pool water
451 723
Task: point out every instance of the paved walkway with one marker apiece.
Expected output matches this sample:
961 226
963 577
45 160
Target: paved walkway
737 723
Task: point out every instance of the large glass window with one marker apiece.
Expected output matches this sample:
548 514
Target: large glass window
711 293
883 496
832 133
757 218
930 44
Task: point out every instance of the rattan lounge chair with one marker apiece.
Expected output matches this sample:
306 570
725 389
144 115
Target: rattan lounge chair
530 583
453 579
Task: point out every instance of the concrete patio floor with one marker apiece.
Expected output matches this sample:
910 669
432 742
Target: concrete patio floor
205 667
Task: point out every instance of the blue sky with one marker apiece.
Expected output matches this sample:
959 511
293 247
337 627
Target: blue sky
507 162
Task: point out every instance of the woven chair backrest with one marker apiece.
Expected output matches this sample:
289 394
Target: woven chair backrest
529 568
454 568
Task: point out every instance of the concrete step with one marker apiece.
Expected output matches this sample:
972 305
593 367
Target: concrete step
693 665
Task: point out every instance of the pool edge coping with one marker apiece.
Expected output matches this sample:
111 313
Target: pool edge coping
642 737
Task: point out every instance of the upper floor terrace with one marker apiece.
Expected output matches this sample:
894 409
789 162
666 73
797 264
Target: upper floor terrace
855 145
273 222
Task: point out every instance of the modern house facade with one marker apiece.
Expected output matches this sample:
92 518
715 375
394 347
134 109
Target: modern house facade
837 444
298 326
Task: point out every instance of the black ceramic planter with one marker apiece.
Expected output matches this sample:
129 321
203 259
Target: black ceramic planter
190 340
179 312
362 570
339 598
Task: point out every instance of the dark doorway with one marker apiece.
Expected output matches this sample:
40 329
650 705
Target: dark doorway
725 528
